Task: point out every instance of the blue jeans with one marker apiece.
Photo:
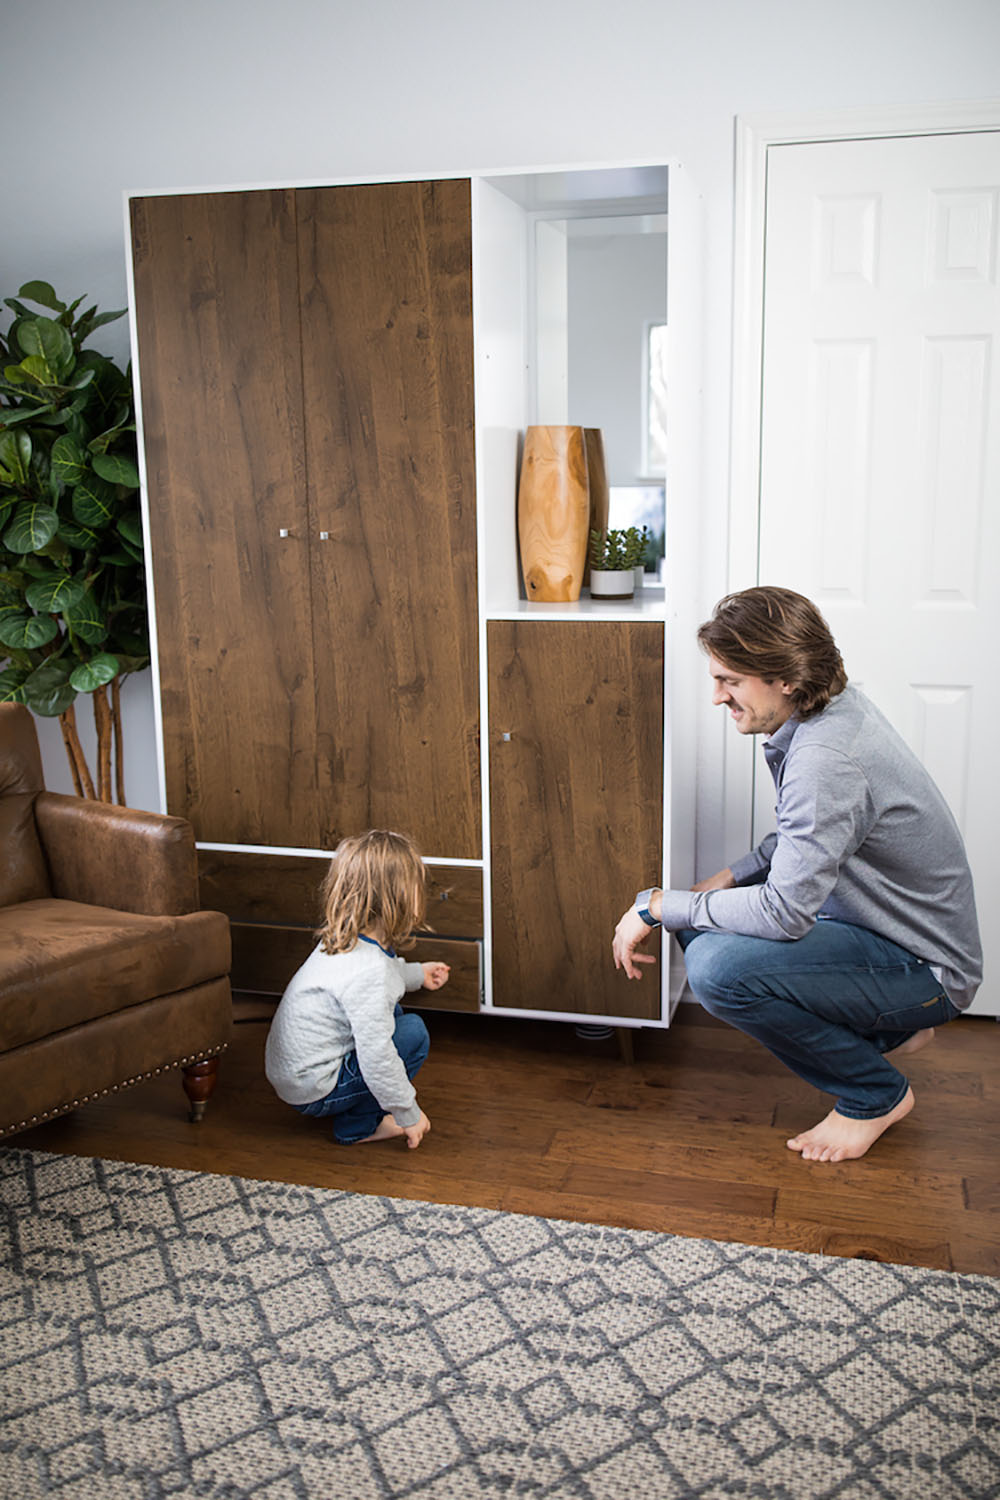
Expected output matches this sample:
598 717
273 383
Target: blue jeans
827 1005
356 1110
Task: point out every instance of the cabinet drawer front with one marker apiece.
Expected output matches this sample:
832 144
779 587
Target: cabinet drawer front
284 888
266 957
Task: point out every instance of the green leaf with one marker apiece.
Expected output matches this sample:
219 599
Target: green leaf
116 469
28 632
94 502
42 292
95 673
35 413
86 621
130 527
15 455
34 367
54 594
11 681
48 690
107 317
136 553
33 526
119 557
83 378
47 340
69 460
80 537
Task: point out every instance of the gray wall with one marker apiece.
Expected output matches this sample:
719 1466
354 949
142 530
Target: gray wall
100 96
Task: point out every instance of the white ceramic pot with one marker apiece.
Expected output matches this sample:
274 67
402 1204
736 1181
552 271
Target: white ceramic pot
640 578
608 584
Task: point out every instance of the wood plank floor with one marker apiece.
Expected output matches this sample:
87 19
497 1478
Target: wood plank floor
689 1138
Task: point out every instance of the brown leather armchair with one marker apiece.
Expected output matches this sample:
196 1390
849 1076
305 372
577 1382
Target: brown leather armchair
108 970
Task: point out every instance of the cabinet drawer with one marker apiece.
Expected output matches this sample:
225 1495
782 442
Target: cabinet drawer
284 888
266 957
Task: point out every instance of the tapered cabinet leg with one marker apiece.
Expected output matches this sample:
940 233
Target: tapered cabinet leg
199 1081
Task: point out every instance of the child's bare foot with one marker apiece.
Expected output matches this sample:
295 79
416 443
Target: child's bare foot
839 1138
384 1131
915 1043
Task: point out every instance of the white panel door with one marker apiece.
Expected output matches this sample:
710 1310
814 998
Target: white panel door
880 445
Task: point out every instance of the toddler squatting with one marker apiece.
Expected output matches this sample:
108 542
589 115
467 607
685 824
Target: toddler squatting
340 1043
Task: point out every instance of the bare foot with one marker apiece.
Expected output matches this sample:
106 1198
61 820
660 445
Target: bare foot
385 1130
915 1043
838 1138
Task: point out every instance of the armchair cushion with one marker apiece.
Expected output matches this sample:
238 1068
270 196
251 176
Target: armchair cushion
63 963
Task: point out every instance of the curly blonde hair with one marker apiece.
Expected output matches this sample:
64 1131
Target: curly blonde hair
376 883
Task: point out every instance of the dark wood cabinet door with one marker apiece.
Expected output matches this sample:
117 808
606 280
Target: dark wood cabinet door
576 776
217 309
386 283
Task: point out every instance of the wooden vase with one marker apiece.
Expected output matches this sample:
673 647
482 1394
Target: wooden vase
597 476
553 513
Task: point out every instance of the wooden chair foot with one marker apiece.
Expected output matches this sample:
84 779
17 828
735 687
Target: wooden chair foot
199 1081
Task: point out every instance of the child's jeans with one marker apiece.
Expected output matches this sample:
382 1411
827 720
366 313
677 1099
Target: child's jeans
356 1110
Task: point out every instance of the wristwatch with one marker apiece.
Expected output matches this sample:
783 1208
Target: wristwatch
642 906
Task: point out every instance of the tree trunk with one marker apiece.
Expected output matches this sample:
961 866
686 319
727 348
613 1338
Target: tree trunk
110 747
116 717
82 778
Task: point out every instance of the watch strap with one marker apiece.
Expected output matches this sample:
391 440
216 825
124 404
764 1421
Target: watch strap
642 901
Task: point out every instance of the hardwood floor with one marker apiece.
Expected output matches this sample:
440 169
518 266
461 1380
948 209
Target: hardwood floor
689 1138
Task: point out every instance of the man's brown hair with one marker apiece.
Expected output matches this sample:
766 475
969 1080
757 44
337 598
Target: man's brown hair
777 634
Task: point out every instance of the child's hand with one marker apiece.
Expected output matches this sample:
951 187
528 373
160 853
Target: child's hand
435 975
415 1133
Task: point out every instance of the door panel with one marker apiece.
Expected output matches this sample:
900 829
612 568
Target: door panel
880 470
217 310
386 275
576 757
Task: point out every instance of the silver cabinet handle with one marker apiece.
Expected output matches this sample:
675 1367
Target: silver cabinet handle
283 531
324 536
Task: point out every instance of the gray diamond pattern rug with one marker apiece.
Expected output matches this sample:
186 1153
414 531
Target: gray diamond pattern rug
170 1333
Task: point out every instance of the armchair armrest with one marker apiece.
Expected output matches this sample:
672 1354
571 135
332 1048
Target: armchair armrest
105 855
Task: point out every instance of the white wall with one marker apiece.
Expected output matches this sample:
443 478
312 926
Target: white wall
617 287
106 95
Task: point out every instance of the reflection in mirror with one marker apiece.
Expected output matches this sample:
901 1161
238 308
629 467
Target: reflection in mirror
600 287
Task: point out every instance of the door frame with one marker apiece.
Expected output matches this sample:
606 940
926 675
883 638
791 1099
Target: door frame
755 135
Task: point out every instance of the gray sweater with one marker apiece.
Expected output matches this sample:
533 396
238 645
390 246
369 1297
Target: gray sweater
863 836
336 1003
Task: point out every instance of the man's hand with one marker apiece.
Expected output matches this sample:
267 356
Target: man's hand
435 975
630 932
415 1133
722 881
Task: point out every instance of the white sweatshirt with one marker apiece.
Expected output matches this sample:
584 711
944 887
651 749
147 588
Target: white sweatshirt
336 1003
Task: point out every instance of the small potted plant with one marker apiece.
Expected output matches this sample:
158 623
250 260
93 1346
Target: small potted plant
636 541
612 568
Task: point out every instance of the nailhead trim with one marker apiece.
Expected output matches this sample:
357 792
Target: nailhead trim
62 1109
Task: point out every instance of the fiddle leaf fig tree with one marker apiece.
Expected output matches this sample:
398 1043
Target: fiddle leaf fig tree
72 582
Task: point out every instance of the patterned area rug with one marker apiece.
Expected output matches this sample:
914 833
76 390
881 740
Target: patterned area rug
171 1333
